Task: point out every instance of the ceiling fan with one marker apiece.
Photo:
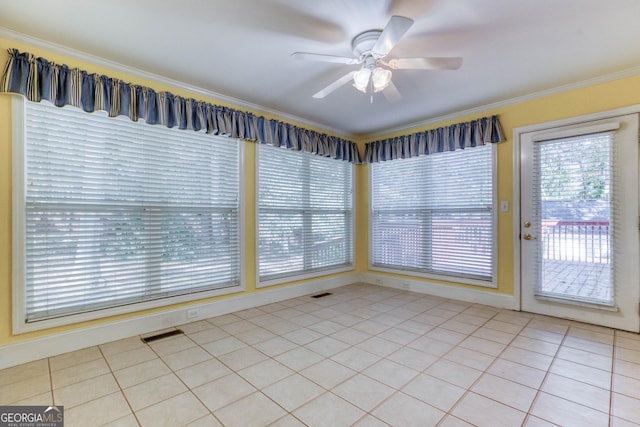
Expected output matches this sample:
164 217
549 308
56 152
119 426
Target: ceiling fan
369 49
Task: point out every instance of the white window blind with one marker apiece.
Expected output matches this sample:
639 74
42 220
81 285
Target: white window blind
573 184
305 213
118 212
434 214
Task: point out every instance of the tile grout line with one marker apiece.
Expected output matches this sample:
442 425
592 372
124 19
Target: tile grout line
135 416
555 357
372 335
182 381
259 390
350 346
468 390
448 412
418 372
439 358
611 384
432 327
544 379
53 396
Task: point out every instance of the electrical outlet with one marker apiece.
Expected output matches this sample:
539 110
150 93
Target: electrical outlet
192 314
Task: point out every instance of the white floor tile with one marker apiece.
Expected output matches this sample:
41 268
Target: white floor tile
626 408
293 391
328 373
74 358
101 411
454 373
140 373
84 391
566 413
178 410
356 359
202 373
391 373
223 391
434 391
577 392
153 391
328 410
265 373
483 412
521 374
364 392
402 410
504 391
253 410
21 390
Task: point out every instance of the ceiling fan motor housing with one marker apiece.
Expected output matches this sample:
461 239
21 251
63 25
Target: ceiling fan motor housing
363 43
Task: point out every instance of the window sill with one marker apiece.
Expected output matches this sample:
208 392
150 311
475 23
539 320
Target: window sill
20 326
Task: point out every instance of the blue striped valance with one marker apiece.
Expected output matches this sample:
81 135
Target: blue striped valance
449 138
38 79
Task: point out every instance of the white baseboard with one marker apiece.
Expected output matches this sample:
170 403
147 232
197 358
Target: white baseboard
59 343
460 293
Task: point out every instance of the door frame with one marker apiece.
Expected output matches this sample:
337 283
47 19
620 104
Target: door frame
517 140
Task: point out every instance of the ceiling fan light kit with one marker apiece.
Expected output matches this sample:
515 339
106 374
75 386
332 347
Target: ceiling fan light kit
369 48
361 79
380 79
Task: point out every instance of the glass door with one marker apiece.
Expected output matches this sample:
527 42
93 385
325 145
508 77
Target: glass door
579 222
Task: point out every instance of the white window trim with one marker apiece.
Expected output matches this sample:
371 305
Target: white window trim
493 283
308 275
18 123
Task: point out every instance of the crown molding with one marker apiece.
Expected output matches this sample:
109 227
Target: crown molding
629 72
96 60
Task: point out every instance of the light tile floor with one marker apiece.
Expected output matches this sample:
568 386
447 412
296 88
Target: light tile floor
363 356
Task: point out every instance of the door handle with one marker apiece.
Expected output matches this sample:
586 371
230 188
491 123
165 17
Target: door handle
527 236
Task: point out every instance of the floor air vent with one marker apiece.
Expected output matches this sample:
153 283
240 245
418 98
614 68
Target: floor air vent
162 335
326 294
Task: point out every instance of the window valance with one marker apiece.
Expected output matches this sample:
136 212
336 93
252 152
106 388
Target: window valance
38 79
449 138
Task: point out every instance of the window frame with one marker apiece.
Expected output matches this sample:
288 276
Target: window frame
19 170
287 278
493 283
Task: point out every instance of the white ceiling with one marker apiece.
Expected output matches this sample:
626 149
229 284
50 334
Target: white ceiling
241 48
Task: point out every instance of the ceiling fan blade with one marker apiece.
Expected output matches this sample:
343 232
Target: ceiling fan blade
391 93
391 35
335 85
433 63
324 58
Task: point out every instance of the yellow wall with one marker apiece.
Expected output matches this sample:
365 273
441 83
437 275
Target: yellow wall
571 103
